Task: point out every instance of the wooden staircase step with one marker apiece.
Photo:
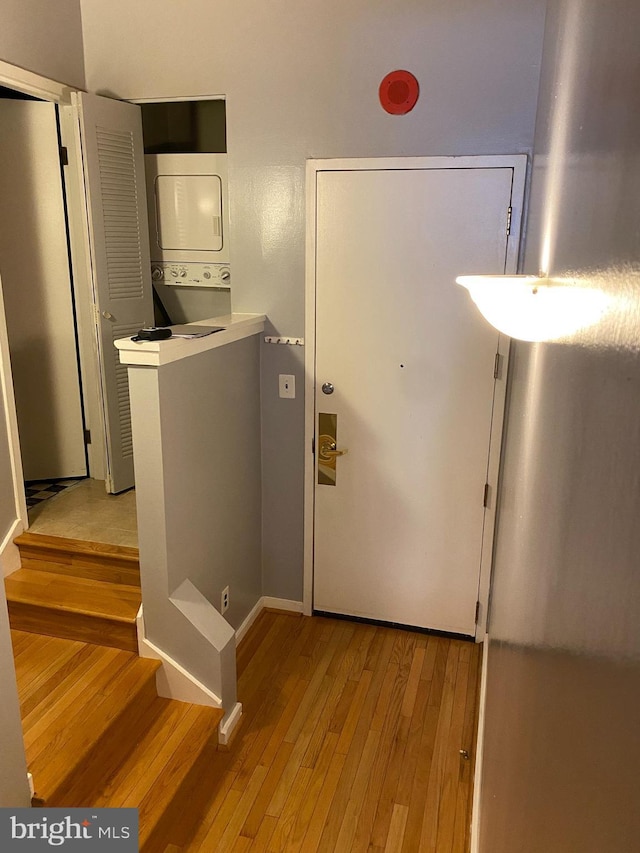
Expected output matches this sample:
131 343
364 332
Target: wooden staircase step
159 763
74 608
96 734
87 728
93 560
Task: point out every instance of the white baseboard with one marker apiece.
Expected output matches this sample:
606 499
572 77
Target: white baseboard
477 781
175 682
9 553
172 680
228 724
260 605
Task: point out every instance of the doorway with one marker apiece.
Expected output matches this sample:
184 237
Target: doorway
407 404
105 235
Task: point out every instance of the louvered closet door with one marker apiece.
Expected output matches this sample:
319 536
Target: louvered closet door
113 155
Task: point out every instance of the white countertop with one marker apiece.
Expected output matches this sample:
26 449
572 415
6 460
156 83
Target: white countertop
157 353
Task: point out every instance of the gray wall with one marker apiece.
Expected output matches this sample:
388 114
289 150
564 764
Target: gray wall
301 81
211 435
44 37
196 443
562 741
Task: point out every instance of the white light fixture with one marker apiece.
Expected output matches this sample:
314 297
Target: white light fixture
535 308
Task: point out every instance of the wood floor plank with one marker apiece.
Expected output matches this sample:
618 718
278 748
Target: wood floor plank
232 830
260 843
415 794
316 784
396 829
393 736
190 826
253 821
437 806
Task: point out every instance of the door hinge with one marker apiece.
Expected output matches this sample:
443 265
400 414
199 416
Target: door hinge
477 611
496 366
509 215
313 445
485 499
87 436
64 156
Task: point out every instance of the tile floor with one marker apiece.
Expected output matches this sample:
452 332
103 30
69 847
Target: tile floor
85 511
36 492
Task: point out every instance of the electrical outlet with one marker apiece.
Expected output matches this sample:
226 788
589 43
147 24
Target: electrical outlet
224 600
287 386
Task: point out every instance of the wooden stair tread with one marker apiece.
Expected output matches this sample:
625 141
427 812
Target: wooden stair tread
97 735
117 602
92 560
62 544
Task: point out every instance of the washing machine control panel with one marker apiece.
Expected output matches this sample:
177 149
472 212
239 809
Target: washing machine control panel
192 274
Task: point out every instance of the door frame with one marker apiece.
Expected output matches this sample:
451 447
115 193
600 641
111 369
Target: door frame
517 162
55 92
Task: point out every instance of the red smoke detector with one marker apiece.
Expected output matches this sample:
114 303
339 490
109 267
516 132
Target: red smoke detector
399 92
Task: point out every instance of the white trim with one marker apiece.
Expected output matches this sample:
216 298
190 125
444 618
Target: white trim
262 603
517 162
49 90
9 404
177 100
33 84
519 166
9 553
309 384
477 780
228 724
283 604
173 681
78 232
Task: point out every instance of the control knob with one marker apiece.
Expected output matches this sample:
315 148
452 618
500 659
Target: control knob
157 273
225 276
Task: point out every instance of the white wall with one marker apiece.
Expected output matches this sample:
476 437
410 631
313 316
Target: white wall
301 81
44 37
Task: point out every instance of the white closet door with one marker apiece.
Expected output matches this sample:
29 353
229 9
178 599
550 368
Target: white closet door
113 160
34 265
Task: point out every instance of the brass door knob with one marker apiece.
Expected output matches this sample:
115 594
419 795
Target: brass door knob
329 450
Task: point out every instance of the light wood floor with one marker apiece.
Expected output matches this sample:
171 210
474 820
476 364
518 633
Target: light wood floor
350 742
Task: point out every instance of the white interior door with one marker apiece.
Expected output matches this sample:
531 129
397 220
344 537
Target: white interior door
399 536
34 264
113 162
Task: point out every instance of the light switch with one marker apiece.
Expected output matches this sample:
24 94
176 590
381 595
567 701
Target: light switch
287 386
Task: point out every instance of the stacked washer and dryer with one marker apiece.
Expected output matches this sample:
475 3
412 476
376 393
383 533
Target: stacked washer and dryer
189 219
